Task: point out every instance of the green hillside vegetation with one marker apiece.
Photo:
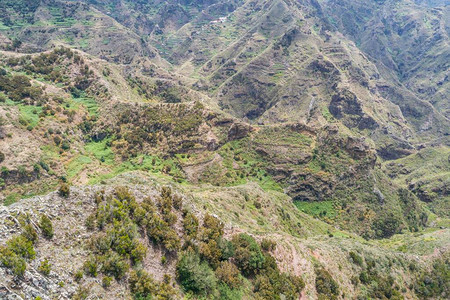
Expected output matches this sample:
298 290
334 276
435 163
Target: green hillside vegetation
242 149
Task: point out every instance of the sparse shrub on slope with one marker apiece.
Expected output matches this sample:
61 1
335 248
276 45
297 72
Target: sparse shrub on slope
356 258
209 266
45 267
387 225
210 237
46 226
190 225
64 190
30 233
270 283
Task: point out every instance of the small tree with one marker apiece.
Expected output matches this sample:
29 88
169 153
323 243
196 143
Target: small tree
248 255
64 190
229 274
29 233
46 226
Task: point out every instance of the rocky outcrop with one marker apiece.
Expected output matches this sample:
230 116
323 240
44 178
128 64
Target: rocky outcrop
238 130
310 187
345 106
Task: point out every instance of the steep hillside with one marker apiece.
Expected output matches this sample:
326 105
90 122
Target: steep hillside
410 40
241 149
331 263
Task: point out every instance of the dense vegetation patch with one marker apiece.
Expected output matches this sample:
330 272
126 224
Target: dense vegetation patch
207 263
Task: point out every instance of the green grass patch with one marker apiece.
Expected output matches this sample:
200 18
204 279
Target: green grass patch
318 209
159 167
30 114
77 165
101 151
89 103
3 27
251 167
11 198
326 114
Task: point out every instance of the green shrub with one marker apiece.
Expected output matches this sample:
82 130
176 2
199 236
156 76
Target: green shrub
190 225
212 228
226 293
247 254
81 294
270 283
268 245
326 286
177 202
210 252
90 266
386 226
172 241
64 190
13 255
11 260
229 274
2 157
30 233
46 226
90 222
195 276
226 249
138 252
435 284
21 246
106 281
78 276
45 267
114 265
142 286
356 258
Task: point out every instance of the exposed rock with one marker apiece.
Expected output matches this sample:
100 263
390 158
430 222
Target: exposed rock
238 130
346 106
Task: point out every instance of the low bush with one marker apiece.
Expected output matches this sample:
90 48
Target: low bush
45 267
356 258
326 286
143 286
229 274
113 264
30 233
18 249
268 245
46 226
64 190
